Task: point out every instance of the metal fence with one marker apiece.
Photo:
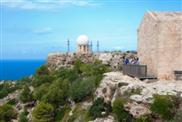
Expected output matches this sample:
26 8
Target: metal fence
178 75
135 70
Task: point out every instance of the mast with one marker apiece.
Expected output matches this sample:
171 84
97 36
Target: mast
98 46
91 46
68 45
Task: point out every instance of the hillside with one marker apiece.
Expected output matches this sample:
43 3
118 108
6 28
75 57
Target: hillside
89 89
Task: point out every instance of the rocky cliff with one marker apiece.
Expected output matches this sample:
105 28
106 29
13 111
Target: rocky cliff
112 59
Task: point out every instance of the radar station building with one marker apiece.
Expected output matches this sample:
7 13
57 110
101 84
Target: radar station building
83 45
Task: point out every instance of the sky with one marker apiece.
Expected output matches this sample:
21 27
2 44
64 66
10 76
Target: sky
30 29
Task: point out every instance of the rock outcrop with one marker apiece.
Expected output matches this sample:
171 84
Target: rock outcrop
105 119
112 59
115 85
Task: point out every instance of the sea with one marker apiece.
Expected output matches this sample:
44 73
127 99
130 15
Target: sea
17 69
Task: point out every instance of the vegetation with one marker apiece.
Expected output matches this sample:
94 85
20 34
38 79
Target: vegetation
98 107
62 113
43 112
7 113
26 94
6 88
82 89
55 91
23 116
12 101
56 88
143 119
79 115
164 106
120 113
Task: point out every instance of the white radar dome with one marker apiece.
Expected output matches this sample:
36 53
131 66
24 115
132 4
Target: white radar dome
82 40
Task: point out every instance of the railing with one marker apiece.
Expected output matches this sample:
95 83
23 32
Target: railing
178 75
135 70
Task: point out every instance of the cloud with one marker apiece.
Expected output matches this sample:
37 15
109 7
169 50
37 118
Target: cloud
41 31
44 4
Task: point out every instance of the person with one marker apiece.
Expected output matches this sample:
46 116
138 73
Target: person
126 61
136 61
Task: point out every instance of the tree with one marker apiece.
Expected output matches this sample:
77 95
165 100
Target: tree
57 93
7 113
26 94
43 112
40 91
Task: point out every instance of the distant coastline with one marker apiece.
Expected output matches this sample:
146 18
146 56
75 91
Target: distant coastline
17 69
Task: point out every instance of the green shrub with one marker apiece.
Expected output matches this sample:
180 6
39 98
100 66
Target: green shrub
23 116
6 88
118 110
57 93
164 106
43 112
12 102
26 94
42 70
68 74
82 89
23 81
40 91
143 119
39 80
98 107
7 113
61 112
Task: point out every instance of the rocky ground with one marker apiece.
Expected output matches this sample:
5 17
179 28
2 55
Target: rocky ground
140 93
114 85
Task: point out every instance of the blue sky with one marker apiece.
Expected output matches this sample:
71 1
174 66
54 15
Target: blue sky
30 29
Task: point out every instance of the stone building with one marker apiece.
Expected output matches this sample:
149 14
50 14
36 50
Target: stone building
160 43
83 44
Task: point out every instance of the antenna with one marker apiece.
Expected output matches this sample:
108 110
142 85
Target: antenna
68 45
91 46
97 46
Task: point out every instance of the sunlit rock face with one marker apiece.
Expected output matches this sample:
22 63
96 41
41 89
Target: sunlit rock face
140 93
112 59
160 43
105 119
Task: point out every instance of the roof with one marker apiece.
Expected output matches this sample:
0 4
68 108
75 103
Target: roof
165 16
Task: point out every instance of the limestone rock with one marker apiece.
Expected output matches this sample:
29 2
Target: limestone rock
137 110
115 84
112 59
105 119
136 97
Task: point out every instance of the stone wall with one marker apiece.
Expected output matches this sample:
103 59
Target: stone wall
147 43
112 59
169 49
160 43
